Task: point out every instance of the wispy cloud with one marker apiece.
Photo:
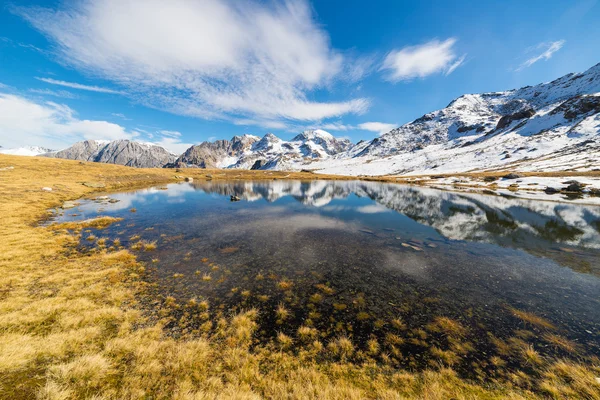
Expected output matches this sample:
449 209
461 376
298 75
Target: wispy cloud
547 48
378 127
65 94
422 60
120 115
79 86
455 65
264 67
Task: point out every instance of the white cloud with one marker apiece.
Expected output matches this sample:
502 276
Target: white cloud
211 59
171 141
379 127
548 50
65 94
79 86
25 122
422 60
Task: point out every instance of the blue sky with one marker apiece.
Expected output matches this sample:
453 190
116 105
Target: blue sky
184 71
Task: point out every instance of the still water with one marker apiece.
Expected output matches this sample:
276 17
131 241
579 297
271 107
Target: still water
431 276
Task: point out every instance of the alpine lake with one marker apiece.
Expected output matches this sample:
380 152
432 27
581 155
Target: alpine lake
409 276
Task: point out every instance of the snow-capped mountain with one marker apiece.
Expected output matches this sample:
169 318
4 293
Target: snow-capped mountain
268 152
123 152
550 126
25 151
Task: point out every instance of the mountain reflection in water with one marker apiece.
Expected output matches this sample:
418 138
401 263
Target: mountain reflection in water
370 261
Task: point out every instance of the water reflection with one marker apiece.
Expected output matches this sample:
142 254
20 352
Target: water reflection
425 274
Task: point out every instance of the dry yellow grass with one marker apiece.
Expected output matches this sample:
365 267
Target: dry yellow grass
72 327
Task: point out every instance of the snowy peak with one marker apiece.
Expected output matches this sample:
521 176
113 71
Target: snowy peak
477 117
268 152
25 151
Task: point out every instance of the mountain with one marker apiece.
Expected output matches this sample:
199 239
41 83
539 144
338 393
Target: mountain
268 152
25 151
218 154
123 152
550 126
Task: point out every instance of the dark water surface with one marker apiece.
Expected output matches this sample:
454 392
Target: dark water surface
430 275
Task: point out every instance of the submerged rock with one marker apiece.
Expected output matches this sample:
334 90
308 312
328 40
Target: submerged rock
69 204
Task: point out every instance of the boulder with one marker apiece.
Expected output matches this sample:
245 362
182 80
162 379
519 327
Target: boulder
511 176
551 190
234 198
189 179
574 186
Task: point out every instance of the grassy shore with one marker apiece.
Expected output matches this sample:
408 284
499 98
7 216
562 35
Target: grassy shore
72 325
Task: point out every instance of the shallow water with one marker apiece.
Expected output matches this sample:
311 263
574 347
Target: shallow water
375 261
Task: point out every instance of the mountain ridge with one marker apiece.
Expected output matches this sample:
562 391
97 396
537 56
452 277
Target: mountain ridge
550 126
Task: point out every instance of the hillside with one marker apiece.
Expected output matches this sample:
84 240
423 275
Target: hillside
548 127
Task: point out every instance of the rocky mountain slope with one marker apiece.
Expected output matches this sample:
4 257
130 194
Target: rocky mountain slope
123 152
268 152
550 126
25 151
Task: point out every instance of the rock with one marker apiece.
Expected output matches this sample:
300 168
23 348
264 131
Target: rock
574 187
112 201
490 178
234 198
366 231
258 164
102 198
511 176
189 179
94 184
69 204
551 190
47 189
594 192
507 119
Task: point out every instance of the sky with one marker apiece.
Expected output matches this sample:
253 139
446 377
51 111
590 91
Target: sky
180 72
